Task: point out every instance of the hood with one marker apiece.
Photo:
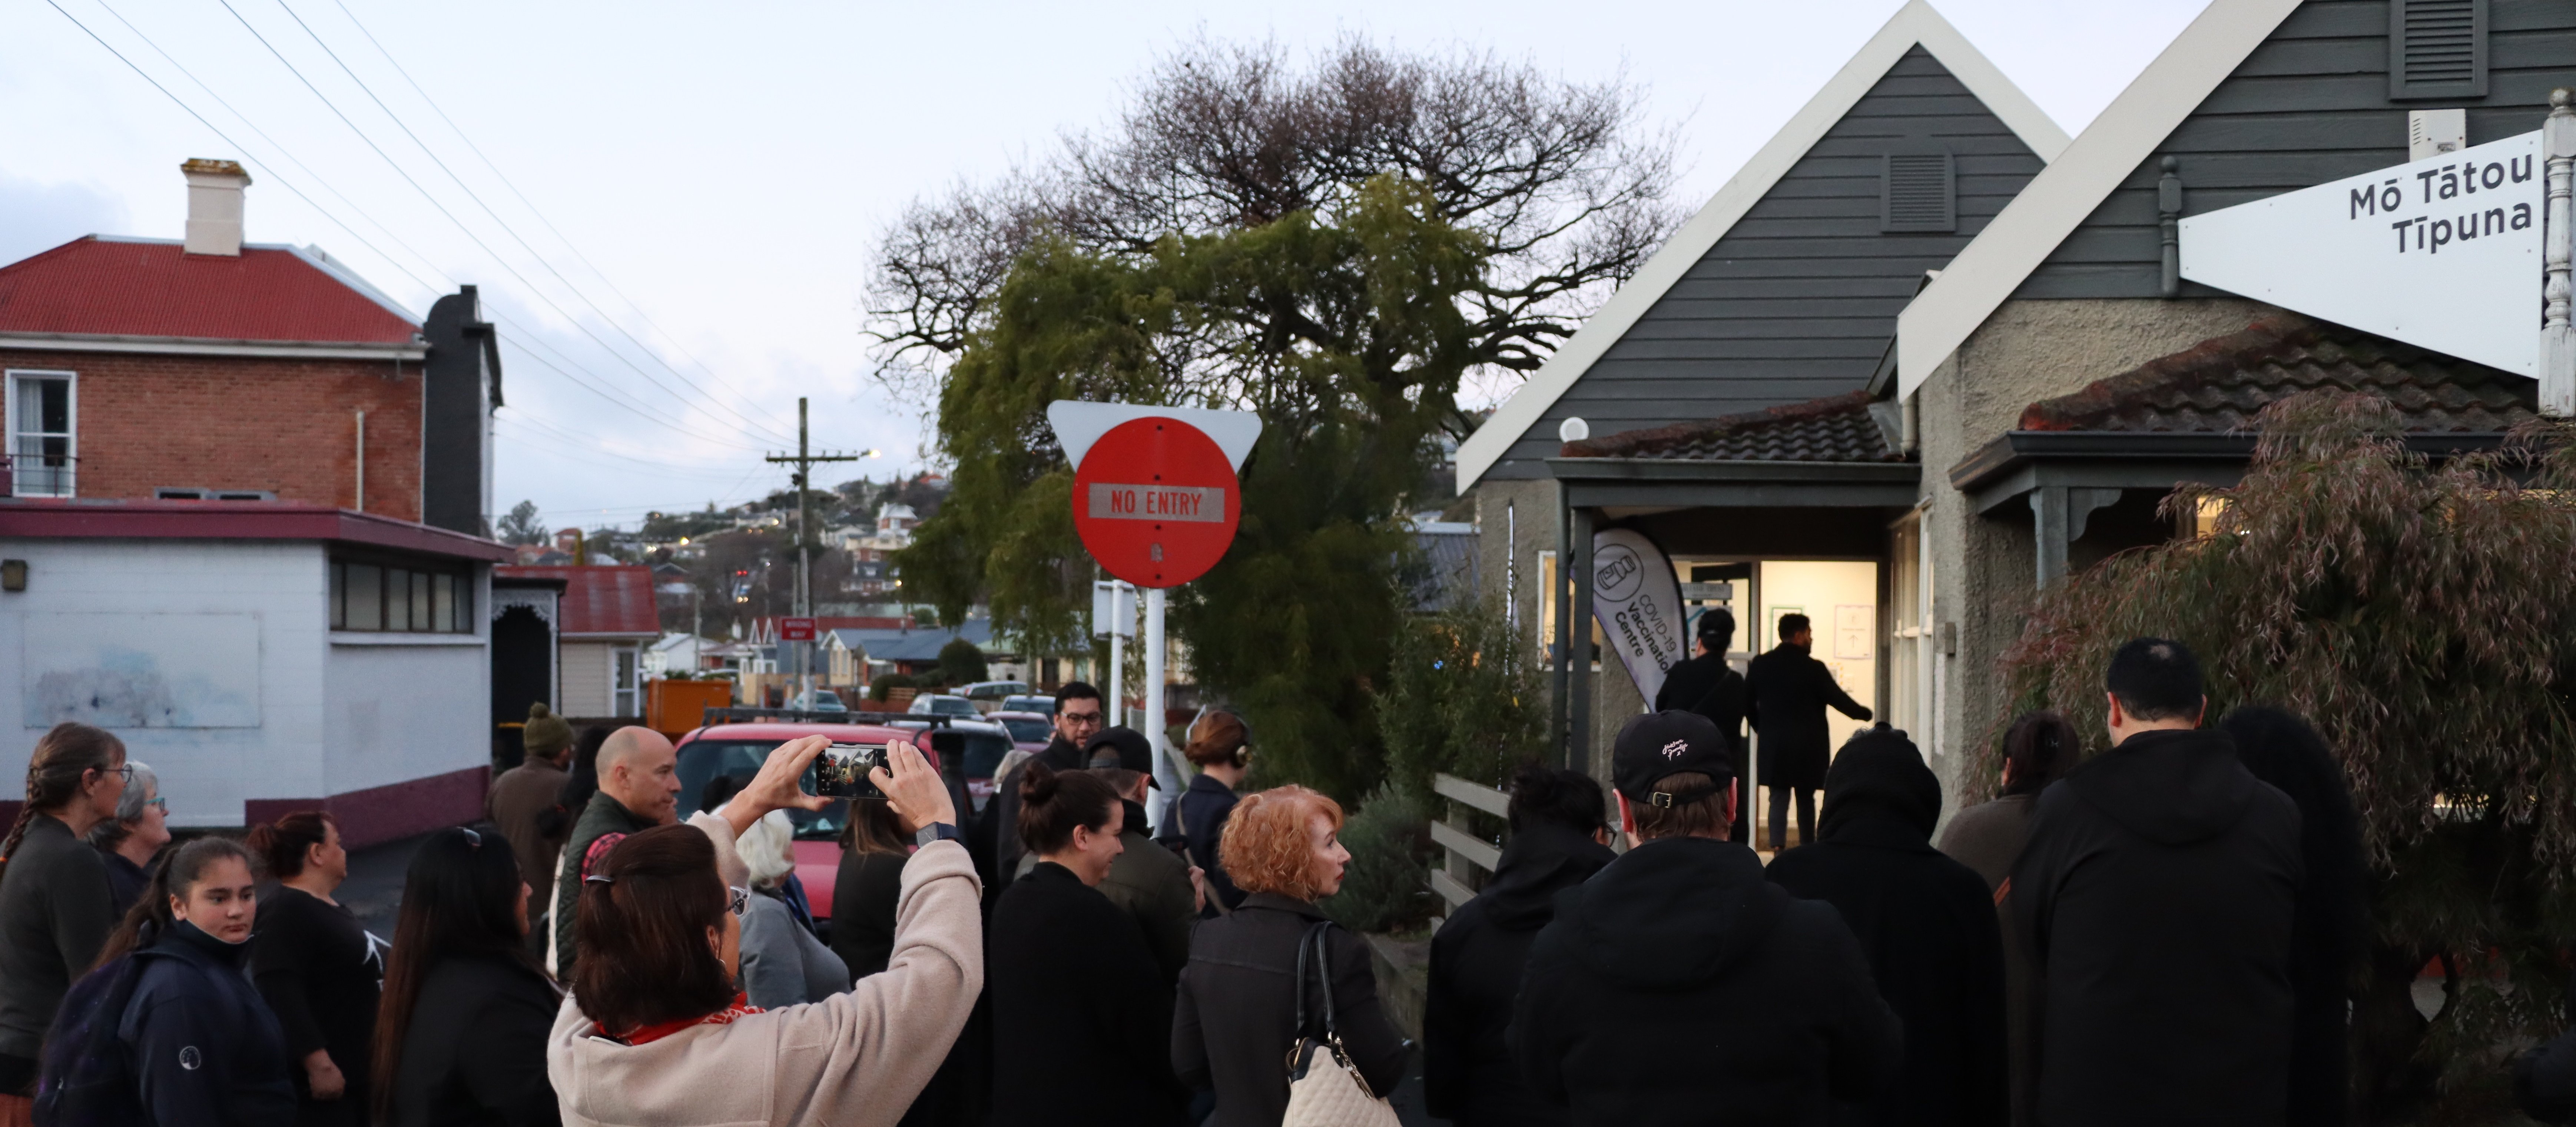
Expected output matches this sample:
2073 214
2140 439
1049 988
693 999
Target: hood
2170 787
1879 776
1538 863
1673 914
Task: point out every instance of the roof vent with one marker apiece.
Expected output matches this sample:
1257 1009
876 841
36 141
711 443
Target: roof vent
1919 192
2437 49
215 206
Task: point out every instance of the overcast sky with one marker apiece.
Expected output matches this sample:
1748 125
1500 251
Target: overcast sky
707 179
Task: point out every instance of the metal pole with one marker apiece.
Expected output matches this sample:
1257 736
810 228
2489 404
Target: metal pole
1154 600
2557 341
1119 624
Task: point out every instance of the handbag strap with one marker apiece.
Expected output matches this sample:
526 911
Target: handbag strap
1315 939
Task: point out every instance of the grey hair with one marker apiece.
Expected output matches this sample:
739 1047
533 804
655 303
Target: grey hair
144 787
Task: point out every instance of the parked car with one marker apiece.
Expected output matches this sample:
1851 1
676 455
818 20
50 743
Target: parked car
943 704
980 743
818 700
1030 731
988 696
740 749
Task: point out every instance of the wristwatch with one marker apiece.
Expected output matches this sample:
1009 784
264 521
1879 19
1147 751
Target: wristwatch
937 831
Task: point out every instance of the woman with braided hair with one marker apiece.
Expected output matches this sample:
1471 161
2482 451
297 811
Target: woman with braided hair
55 906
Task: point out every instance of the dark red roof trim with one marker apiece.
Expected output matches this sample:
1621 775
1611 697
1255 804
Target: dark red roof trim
233 520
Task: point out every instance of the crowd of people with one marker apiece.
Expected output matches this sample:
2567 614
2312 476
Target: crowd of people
2150 935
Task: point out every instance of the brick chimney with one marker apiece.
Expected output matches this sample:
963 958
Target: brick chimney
215 206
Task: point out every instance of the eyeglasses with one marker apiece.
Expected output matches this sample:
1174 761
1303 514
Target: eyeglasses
125 772
1081 718
737 899
163 803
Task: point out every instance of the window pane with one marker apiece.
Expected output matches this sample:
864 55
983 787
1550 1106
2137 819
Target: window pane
397 599
366 597
339 593
420 604
442 590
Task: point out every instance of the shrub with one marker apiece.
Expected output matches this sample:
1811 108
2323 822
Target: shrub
1460 698
887 683
960 662
1387 886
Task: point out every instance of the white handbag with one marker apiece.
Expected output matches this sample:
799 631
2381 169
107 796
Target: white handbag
1324 1090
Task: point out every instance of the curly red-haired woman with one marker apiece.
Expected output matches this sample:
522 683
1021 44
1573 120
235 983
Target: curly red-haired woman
1235 1019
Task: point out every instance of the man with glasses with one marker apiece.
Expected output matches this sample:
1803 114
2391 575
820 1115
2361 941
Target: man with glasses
1078 716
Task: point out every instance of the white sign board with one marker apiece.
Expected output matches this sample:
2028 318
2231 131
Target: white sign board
1638 601
2443 252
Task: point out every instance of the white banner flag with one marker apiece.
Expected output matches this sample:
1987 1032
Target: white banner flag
1639 605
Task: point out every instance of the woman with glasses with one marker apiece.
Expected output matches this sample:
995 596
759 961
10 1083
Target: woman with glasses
657 1029
55 908
134 836
318 969
461 1038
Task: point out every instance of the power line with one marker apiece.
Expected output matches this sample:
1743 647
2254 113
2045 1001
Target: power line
521 337
533 252
551 431
443 210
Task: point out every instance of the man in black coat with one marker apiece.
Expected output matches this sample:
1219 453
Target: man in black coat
1707 685
2156 899
1927 924
1078 716
1677 986
1477 957
1787 691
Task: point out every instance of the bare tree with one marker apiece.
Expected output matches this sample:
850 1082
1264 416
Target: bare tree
1564 181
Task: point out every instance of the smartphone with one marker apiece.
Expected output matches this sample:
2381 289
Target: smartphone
842 771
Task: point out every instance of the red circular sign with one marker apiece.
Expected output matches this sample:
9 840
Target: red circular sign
1156 502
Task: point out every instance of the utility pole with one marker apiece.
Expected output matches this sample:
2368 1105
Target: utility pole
804 460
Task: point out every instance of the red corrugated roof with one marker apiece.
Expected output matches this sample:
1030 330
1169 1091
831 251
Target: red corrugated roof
600 599
154 289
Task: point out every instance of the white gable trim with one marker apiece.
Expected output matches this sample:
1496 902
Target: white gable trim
1912 25
2059 199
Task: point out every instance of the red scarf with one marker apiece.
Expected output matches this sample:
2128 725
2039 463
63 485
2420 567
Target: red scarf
647 1034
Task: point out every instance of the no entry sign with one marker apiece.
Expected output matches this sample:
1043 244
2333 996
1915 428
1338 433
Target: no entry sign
1155 501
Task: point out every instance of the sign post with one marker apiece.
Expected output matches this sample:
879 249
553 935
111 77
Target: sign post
1156 502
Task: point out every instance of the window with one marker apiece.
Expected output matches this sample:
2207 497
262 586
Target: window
1918 193
43 445
2437 49
391 598
621 688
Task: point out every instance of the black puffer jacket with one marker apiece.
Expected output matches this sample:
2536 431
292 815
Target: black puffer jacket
201 1044
1476 961
1235 1019
1678 987
2156 898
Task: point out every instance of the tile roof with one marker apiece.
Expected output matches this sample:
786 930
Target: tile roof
2220 384
1836 428
600 599
152 288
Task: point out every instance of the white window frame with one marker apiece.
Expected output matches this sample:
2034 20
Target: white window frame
9 413
632 692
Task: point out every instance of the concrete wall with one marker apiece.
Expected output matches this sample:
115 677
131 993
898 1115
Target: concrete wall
1984 571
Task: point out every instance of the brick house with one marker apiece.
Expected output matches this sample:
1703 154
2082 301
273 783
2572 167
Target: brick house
249 499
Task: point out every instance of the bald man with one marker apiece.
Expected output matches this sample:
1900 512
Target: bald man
639 788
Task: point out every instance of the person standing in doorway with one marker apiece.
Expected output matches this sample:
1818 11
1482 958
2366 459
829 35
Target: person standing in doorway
1079 715
522 797
1787 691
319 970
639 788
2157 899
1707 685
131 840
56 909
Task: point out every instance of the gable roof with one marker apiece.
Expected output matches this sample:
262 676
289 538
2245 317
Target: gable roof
100 285
601 600
2063 195
1914 25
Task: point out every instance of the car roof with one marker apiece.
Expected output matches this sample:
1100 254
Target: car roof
1014 714
955 723
783 732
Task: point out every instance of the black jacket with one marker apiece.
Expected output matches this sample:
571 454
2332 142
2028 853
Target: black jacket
474 1052
1927 924
322 979
2155 899
1476 960
1678 987
604 815
1708 686
202 1046
55 914
1236 1016
1080 1013
864 892
1201 810
125 881
1787 693
2280 748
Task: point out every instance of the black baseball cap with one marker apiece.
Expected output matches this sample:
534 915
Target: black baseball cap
1666 743
1121 747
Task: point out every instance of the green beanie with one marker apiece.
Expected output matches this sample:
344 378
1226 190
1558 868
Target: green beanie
546 733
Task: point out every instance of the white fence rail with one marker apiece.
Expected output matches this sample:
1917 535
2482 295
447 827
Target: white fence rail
1465 852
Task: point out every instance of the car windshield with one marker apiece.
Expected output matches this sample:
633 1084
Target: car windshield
983 751
826 702
701 760
1029 731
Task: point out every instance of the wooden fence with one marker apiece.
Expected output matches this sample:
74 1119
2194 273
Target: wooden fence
1457 878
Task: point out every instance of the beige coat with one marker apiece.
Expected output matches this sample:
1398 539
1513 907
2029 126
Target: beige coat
854 1058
